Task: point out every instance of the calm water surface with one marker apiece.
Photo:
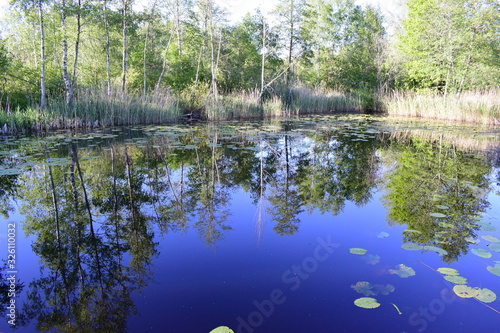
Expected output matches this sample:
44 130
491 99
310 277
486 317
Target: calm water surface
262 227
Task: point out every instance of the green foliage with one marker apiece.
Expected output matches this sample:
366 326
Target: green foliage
451 45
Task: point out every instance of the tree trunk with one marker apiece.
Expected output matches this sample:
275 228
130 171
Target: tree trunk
178 27
144 67
263 61
290 48
67 83
124 44
77 49
42 55
108 55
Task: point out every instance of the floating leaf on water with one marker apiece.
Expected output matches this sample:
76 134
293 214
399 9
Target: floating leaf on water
412 231
383 234
491 238
357 250
363 287
371 259
485 295
494 270
442 207
446 225
403 271
465 291
383 290
472 240
482 253
411 246
494 247
367 303
436 249
455 279
488 227
222 329
447 271
439 215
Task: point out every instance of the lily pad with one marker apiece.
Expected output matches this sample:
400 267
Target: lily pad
383 234
438 215
494 270
481 253
442 207
447 271
436 249
485 295
363 287
358 250
489 227
383 290
472 240
411 246
403 271
491 238
367 303
222 329
371 259
465 291
412 231
455 279
494 247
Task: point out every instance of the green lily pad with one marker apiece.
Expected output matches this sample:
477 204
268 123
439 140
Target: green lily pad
403 271
411 246
472 240
363 287
491 238
436 249
357 250
494 247
438 215
222 329
465 291
447 271
455 279
485 295
411 231
442 207
489 227
367 303
383 290
383 234
371 259
494 270
481 253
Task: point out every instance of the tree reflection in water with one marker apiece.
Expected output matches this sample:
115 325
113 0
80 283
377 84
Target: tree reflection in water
94 219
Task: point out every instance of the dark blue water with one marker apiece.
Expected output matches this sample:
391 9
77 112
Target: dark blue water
195 228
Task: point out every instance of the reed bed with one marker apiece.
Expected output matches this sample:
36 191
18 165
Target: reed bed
313 101
472 107
95 107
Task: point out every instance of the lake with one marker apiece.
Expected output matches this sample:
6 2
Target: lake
345 223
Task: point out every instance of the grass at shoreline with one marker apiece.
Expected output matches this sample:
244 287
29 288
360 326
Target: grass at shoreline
469 107
95 108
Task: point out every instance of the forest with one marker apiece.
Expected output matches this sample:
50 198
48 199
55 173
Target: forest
86 63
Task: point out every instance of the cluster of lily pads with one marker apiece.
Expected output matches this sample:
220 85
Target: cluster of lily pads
461 288
368 289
